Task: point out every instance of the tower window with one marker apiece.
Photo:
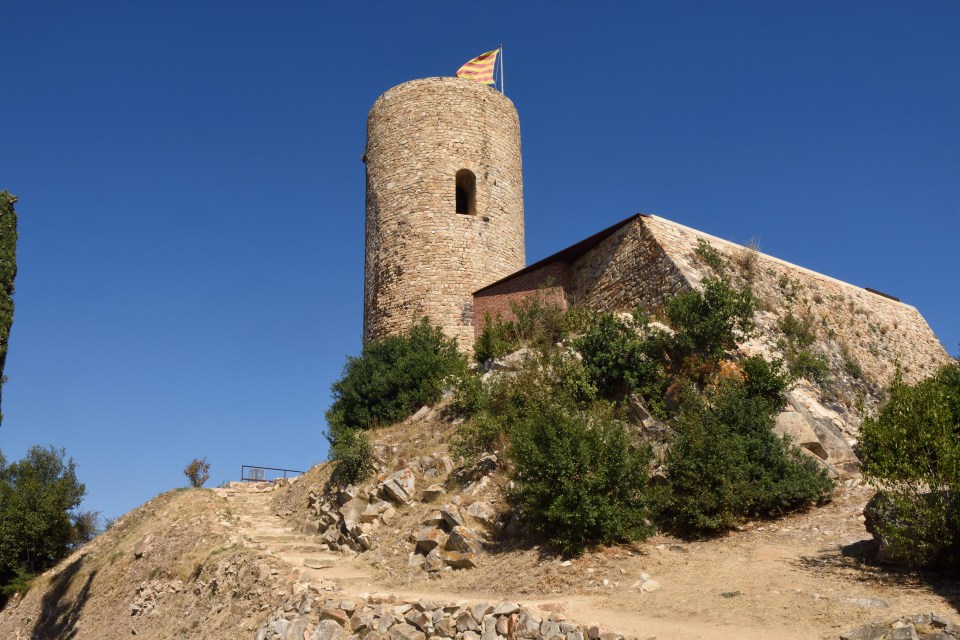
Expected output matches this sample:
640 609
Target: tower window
466 192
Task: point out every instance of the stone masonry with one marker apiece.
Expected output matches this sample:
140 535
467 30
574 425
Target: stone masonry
422 257
642 261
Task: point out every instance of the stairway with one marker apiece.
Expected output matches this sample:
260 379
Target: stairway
259 527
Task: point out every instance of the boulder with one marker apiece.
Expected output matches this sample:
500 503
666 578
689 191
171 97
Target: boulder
794 425
882 514
433 492
463 540
404 631
446 628
489 628
429 538
400 486
481 512
510 362
421 414
486 464
527 625
433 561
451 515
465 622
351 512
347 493
822 420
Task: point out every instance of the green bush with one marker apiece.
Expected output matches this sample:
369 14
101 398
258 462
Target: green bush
710 322
352 451
579 479
798 337
8 272
807 364
38 498
710 256
497 406
726 464
391 379
537 322
394 377
495 341
618 361
911 450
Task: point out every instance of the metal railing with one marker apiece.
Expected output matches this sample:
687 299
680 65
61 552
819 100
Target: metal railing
250 473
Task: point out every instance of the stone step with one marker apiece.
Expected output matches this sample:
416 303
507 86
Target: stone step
320 563
303 548
274 538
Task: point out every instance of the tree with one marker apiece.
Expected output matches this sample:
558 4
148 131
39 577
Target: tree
911 453
8 271
38 498
196 472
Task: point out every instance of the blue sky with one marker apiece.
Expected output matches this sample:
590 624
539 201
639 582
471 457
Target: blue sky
192 195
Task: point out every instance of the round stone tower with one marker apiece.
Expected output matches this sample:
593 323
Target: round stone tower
444 204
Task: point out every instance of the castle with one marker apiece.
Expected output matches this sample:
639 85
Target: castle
445 239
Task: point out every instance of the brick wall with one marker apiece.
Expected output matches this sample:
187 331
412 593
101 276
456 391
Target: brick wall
551 282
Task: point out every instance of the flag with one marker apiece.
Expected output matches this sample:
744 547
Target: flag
480 68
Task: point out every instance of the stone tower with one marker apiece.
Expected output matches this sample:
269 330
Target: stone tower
444 204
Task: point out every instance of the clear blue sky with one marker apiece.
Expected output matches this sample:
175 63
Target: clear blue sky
192 195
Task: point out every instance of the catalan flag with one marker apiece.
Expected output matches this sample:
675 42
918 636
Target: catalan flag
480 68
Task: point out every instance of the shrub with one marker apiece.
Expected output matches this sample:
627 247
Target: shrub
726 463
851 365
352 451
196 472
498 405
709 322
911 450
394 377
746 259
390 379
537 322
798 337
495 341
579 479
710 256
617 360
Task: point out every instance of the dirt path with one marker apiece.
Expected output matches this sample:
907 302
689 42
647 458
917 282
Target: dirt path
790 579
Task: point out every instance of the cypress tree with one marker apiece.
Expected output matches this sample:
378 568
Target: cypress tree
8 271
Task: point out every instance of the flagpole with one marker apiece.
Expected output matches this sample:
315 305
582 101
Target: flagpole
501 71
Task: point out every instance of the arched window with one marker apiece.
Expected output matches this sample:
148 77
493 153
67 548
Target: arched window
466 192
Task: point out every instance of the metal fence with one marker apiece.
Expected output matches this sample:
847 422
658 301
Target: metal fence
250 473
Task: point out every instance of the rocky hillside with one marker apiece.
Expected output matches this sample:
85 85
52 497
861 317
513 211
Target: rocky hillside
427 548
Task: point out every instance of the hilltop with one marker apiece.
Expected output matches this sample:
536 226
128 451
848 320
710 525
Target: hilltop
250 560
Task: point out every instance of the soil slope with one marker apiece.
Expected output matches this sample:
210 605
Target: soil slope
218 563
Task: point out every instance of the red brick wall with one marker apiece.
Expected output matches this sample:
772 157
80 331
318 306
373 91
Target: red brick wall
551 281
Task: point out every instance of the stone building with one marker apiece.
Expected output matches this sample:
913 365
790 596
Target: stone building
641 261
444 203
445 239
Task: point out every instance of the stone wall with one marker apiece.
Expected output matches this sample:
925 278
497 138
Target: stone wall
321 616
550 282
647 259
423 258
627 270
